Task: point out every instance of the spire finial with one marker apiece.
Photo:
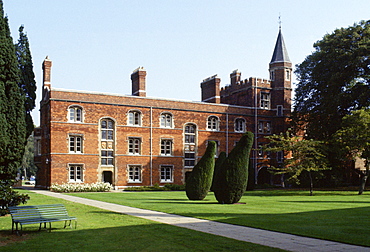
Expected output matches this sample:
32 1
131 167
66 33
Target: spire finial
279 21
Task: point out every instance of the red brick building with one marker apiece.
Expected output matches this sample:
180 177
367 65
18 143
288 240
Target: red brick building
88 137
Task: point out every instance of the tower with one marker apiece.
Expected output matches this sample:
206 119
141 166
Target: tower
280 69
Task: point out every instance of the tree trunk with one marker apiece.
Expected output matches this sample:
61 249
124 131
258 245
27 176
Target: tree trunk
311 183
364 177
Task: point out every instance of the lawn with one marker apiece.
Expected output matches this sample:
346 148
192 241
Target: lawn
100 230
340 216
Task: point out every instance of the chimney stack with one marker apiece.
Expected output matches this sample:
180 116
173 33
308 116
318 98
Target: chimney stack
138 82
235 77
211 89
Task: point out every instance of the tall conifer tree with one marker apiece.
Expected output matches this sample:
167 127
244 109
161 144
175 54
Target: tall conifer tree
27 81
12 117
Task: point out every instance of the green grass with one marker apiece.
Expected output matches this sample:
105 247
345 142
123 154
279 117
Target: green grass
100 230
333 215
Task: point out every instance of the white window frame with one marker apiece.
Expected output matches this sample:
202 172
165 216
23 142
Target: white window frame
166 173
75 143
240 125
288 75
134 118
166 120
107 132
166 147
134 145
75 114
75 173
264 127
213 123
265 100
134 173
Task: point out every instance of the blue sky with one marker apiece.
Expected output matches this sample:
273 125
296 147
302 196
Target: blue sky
95 45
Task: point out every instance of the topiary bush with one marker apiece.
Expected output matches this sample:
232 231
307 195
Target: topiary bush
200 179
221 158
232 176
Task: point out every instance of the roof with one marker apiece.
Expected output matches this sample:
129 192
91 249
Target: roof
280 52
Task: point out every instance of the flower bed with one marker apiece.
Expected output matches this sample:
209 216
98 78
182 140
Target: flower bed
94 187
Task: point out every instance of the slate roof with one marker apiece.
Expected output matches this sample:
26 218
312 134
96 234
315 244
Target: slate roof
280 52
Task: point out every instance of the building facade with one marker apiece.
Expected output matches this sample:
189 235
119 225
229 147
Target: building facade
88 137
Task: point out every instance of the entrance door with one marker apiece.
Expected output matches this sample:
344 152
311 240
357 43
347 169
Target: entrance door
107 177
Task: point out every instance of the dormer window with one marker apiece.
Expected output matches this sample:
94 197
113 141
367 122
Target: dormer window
75 114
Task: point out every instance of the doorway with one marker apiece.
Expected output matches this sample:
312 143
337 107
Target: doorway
108 177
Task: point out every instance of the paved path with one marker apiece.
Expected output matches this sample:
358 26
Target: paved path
258 236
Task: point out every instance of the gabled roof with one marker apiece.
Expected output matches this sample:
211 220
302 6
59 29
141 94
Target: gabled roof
280 52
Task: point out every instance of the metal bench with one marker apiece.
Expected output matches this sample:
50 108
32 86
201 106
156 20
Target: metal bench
40 214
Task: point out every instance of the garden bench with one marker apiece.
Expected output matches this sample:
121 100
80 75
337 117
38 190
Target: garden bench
40 214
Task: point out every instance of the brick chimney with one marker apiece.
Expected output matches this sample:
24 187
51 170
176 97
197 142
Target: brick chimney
46 71
138 82
235 77
211 89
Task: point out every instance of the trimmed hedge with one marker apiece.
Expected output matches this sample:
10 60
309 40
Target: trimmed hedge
232 177
221 158
200 179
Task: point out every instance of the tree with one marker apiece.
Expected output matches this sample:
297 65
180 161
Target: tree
200 180
333 80
232 177
354 139
28 167
12 118
303 156
27 81
221 158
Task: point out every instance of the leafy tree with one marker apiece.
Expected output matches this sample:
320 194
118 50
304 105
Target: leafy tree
303 156
200 179
28 166
12 119
333 80
27 81
354 139
232 177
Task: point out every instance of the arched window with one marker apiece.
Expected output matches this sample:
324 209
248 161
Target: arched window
213 123
134 118
166 120
75 114
240 125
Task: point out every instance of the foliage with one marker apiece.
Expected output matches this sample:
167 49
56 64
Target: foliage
200 179
9 197
27 82
306 156
28 166
156 187
94 187
12 119
232 178
333 80
354 139
221 158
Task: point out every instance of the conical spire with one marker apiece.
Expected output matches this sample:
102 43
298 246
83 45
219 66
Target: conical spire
280 52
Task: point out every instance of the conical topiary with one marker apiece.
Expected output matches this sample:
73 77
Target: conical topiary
221 158
200 180
232 177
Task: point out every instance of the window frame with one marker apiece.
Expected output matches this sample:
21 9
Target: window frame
166 120
73 177
213 123
131 173
77 146
265 100
134 118
166 147
77 115
132 142
163 173
237 126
